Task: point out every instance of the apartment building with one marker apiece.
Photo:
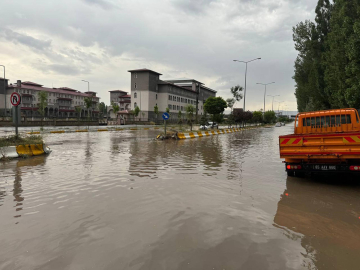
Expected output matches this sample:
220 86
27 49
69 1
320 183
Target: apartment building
121 98
148 91
62 102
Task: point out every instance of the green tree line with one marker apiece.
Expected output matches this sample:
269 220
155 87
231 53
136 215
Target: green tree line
327 68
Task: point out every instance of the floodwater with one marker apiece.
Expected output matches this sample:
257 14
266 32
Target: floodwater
121 200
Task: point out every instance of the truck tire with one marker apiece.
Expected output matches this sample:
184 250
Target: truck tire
290 173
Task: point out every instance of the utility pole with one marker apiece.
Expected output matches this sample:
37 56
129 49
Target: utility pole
246 62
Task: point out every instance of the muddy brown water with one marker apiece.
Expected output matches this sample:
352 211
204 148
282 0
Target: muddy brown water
125 201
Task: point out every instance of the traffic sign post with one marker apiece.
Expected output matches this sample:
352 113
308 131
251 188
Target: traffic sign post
15 100
166 117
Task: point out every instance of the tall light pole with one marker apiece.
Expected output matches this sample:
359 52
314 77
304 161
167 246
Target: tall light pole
272 105
265 92
246 62
279 105
4 89
88 84
91 98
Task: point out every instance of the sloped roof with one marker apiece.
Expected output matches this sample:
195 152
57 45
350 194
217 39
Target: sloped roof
144 69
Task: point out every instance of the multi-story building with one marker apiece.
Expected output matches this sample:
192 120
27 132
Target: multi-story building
61 102
121 98
148 91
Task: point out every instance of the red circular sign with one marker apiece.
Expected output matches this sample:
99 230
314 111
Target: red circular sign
15 99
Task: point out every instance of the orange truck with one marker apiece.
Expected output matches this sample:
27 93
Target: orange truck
323 141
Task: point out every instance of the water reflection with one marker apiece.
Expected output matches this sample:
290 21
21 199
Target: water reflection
326 216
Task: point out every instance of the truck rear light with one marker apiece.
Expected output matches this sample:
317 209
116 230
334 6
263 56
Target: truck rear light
296 167
354 168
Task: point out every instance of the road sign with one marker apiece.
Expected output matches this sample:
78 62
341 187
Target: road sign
165 116
15 99
16 112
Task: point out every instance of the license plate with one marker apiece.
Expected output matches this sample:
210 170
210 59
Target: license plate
324 167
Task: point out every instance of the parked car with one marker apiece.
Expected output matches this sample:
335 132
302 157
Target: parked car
213 125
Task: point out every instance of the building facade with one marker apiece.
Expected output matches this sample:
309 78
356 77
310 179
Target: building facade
148 91
121 98
62 102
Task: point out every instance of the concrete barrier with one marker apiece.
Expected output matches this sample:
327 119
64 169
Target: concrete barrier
8 152
57 131
102 130
24 150
198 134
46 149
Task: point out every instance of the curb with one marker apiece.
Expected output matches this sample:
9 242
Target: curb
86 130
191 135
24 150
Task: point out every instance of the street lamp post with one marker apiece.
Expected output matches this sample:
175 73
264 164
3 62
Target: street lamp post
265 92
88 84
246 62
272 105
4 89
279 105
88 91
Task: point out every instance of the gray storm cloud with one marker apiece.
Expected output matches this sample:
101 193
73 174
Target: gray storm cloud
199 39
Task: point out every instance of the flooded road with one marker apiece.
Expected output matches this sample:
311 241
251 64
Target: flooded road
121 200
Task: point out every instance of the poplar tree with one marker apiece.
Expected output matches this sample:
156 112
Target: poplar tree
343 57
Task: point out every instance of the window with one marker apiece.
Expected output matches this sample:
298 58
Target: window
182 100
135 105
178 108
135 74
169 97
182 108
178 99
345 119
156 96
135 86
135 95
169 106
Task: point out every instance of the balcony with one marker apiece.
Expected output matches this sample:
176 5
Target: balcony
125 101
62 98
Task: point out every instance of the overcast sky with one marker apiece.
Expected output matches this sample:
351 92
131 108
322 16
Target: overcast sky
60 43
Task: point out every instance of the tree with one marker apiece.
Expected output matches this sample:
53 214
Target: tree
190 109
143 115
102 108
215 106
179 118
230 103
43 96
203 119
230 120
88 103
167 110
342 75
236 92
116 109
78 111
257 117
310 42
269 117
136 111
156 111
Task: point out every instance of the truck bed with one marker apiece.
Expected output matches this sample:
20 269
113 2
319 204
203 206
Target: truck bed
333 147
